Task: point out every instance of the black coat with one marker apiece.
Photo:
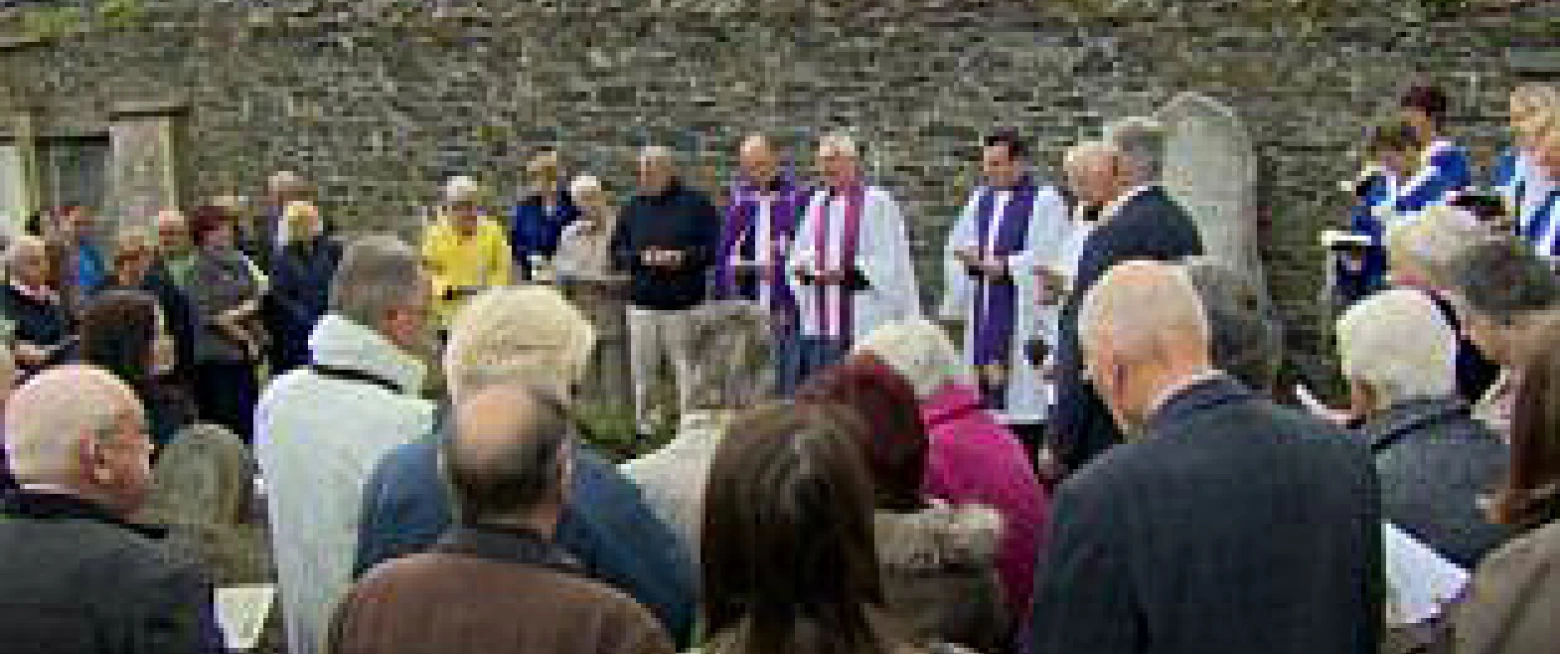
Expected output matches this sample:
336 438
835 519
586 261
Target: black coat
45 324
1235 526
1149 226
1435 461
682 219
89 583
301 275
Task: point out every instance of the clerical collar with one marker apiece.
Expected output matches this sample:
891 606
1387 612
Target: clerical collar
1111 208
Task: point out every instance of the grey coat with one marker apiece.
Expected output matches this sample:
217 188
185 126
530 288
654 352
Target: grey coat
220 281
1434 460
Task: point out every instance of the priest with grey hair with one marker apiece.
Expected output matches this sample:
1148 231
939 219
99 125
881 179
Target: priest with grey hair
850 266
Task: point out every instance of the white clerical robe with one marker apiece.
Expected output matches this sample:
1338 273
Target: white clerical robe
882 256
1028 394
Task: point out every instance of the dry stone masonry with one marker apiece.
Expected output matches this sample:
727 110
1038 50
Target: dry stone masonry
378 100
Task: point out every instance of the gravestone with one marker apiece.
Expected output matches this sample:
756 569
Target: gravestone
1211 169
144 174
13 189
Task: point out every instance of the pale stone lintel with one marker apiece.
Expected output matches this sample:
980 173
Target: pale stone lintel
148 109
1534 61
22 42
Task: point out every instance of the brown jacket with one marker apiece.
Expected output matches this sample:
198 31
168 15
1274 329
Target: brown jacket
492 591
1514 601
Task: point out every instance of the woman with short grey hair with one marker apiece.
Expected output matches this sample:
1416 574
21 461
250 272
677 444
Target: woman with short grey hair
1432 456
735 372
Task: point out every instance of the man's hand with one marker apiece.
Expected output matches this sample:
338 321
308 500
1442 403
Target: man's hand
967 256
994 268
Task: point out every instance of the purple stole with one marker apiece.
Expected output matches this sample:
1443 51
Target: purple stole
996 301
855 197
738 235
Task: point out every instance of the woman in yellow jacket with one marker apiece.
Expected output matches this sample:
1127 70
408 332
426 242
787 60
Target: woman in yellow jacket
466 251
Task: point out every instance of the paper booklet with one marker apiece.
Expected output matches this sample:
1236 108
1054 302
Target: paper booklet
1420 582
242 612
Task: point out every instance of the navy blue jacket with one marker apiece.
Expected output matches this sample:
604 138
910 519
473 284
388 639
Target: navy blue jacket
532 230
1149 226
681 218
301 274
606 525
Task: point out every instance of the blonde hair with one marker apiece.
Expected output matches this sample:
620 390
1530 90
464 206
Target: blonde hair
528 335
1530 99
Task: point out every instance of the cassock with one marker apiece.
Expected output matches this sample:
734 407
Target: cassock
756 236
1024 227
1358 277
859 232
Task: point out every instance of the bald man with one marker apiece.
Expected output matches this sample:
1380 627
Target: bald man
498 581
750 264
1226 524
90 581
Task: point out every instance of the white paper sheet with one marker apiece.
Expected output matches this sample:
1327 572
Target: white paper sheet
1419 581
242 611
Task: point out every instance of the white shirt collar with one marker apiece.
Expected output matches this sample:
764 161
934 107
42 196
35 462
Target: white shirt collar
1110 209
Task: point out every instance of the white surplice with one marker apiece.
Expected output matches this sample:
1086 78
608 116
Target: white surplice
1027 392
882 256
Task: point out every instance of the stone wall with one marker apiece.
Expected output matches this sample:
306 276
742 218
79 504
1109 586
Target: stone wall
378 100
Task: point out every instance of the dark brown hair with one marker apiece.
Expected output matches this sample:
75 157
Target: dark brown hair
207 219
789 560
895 442
1394 134
1535 436
118 333
1428 98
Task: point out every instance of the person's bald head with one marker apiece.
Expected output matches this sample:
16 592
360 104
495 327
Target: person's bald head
173 231
82 429
1143 329
757 159
507 461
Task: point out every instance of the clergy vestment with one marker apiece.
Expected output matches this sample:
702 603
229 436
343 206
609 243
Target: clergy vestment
859 232
756 238
1024 227
1542 230
1527 191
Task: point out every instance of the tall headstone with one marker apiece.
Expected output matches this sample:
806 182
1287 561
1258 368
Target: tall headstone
1211 168
144 172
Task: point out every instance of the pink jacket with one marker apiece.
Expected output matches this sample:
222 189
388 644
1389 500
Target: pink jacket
975 460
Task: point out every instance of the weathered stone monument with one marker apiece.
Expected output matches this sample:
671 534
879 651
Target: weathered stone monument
1211 168
144 175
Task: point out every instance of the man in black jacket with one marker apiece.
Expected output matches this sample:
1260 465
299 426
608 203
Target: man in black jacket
1227 525
1137 220
665 240
80 578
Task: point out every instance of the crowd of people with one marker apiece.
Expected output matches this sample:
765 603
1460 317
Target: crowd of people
1084 448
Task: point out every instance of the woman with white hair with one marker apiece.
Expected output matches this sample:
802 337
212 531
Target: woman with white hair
583 266
40 324
1433 458
466 250
972 458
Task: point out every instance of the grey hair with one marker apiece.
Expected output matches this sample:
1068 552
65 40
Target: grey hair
1084 151
584 183
527 335
1432 240
919 351
20 245
1138 318
659 153
1398 343
46 416
376 274
736 368
1245 336
841 142
1141 141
